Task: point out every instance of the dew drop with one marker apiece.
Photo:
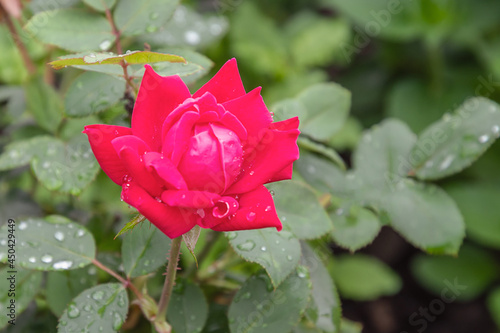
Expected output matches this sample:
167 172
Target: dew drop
251 173
3 242
87 308
79 233
484 138
289 258
32 259
201 212
339 211
251 216
263 248
277 242
23 225
45 165
249 245
117 323
496 130
231 235
47 258
59 236
73 311
64 264
446 162
98 295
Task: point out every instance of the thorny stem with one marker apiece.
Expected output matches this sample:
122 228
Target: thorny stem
131 87
20 46
125 282
169 279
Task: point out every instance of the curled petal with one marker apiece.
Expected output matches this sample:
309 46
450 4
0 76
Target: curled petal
256 210
176 139
270 158
189 199
165 170
172 221
252 112
100 137
158 97
225 85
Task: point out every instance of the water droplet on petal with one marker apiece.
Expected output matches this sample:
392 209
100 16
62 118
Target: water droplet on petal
47 258
251 216
268 209
201 212
251 173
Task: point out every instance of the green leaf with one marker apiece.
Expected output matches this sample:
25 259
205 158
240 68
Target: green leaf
62 287
65 167
93 92
426 216
354 227
190 238
299 209
324 297
75 30
470 273
381 156
319 148
277 252
348 326
188 309
217 321
327 106
53 243
364 278
108 58
101 308
256 307
478 204
27 285
131 225
20 153
44 103
137 17
452 144
144 249
493 303
100 5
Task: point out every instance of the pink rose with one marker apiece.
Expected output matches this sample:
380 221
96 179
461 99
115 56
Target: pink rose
198 159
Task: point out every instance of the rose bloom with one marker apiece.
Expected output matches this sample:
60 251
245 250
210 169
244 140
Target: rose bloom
198 159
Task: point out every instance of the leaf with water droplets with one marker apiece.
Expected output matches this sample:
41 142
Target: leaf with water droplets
258 307
63 286
299 209
71 29
137 17
277 252
107 58
190 238
65 167
144 249
457 140
99 309
44 103
93 92
27 284
20 153
54 243
355 227
426 216
325 301
188 309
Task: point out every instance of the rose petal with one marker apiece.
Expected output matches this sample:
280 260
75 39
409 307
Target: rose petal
131 149
231 153
176 140
158 97
100 137
256 211
253 114
277 150
225 85
165 170
173 222
189 199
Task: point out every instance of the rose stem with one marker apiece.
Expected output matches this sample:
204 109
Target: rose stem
169 279
130 84
126 283
19 43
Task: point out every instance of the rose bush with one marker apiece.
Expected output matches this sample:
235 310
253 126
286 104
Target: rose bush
198 159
